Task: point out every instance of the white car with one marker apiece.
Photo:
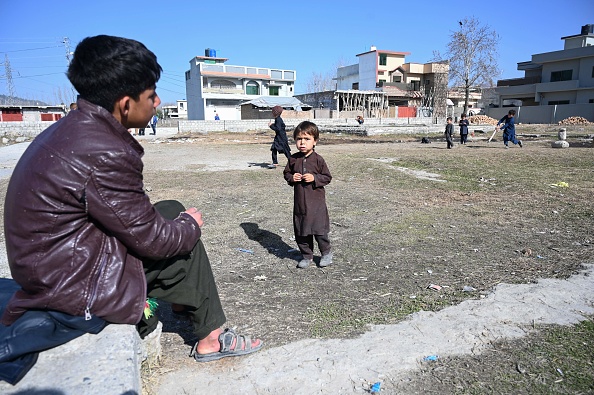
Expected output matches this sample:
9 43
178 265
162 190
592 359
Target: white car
474 111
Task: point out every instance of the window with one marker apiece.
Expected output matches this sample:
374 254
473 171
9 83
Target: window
563 75
187 75
276 74
355 85
222 84
273 90
383 59
592 71
252 88
397 78
381 83
556 102
416 85
591 101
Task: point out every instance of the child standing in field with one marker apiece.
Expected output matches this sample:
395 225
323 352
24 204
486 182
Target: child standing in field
463 129
308 173
449 130
280 143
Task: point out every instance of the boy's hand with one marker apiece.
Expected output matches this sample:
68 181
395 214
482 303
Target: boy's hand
297 177
308 177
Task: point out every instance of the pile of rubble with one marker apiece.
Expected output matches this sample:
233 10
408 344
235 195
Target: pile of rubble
482 120
574 121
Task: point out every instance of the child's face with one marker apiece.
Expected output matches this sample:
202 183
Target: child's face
305 143
449 121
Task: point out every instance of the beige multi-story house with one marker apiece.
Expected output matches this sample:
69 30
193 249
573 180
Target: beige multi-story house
216 88
399 83
564 77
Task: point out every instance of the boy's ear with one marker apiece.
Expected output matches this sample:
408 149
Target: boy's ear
121 109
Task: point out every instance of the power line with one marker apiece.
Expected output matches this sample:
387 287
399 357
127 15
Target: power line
29 49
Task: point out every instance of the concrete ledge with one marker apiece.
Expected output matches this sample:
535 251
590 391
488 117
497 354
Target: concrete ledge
103 364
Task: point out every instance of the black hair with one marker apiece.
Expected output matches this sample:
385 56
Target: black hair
106 68
512 112
448 118
309 128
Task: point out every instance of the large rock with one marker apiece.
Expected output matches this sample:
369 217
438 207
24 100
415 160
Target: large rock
560 144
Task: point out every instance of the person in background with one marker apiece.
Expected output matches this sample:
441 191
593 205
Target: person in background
449 130
281 142
308 173
217 118
463 129
153 123
360 119
509 129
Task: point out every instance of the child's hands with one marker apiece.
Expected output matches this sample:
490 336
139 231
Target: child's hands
308 177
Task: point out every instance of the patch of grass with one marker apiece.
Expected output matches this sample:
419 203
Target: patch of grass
332 318
554 360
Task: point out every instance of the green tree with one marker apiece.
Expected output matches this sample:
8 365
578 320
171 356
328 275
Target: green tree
472 55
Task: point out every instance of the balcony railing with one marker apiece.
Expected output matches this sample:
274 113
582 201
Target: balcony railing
519 81
227 91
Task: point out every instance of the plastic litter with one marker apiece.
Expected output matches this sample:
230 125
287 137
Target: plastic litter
561 184
375 388
431 358
244 250
434 287
468 288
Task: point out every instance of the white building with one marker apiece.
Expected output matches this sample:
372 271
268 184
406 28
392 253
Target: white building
179 111
215 88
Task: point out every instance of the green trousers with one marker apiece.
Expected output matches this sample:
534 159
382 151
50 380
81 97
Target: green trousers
184 280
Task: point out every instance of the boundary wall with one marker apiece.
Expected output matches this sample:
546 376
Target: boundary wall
244 125
545 114
23 131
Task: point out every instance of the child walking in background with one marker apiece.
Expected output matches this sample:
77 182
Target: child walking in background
449 130
463 129
280 143
308 173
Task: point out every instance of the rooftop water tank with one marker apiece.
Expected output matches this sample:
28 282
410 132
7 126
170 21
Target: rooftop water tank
586 29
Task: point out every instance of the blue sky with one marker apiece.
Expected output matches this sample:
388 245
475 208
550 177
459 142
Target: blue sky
306 36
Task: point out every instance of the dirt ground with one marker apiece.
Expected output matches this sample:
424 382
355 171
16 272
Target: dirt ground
404 215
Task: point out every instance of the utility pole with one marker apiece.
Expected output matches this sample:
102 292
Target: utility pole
66 42
9 83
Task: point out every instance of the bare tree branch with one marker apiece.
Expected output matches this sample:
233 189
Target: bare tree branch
472 54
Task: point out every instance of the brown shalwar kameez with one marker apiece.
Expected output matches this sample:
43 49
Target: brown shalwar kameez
310 213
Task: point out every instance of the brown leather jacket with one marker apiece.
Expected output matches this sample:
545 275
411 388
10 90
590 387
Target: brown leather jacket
77 222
